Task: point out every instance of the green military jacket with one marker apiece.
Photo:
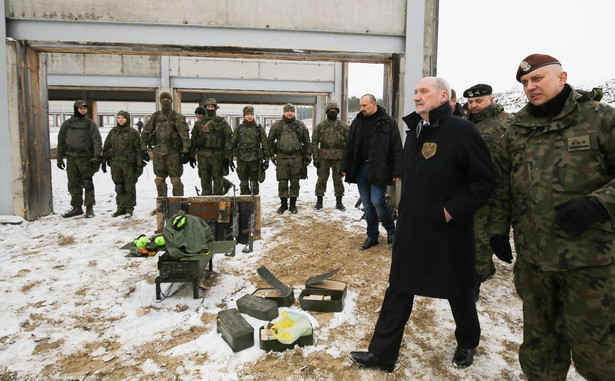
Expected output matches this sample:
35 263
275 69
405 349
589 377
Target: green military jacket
543 162
211 137
492 123
250 143
79 137
328 139
166 133
122 146
289 139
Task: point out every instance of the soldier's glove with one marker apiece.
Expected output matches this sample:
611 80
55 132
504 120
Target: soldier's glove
185 158
577 216
316 163
193 162
265 165
274 160
103 166
500 245
145 155
61 164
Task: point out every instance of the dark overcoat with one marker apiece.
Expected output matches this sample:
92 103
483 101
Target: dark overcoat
448 165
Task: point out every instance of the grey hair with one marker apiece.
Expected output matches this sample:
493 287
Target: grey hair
441 84
370 97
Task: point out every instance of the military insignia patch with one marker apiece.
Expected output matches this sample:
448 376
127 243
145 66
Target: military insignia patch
525 66
579 143
429 149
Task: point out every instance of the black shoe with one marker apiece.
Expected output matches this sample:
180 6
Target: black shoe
318 205
118 212
75 211
463 358
484 277
128 214
391 237
368 243
369 360
293 205
89 211
338 203
283 205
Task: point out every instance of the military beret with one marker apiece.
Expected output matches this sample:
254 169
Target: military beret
478 91
164 94
200 110
533 62
289 107
248 110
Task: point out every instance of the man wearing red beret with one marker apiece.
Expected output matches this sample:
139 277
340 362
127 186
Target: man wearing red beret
556 170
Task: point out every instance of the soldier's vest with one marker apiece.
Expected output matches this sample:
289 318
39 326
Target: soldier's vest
288 139
249 142
78 139
332 140
211 134
123 148
166 137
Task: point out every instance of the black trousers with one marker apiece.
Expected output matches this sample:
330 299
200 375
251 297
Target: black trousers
396 310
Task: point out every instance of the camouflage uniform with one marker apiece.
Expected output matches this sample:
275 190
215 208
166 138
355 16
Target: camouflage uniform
328 142
80 142
122 150
167 134
250 145
492 123
566 282
290 143
211 142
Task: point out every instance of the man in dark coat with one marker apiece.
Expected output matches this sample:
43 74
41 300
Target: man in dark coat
448 175
372 159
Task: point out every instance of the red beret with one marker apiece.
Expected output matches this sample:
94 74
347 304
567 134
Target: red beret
533 62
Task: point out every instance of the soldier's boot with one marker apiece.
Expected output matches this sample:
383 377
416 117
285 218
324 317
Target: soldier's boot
74 211
293 205
118 212
89 211
338 203
283 205
226 185
318 205
128 213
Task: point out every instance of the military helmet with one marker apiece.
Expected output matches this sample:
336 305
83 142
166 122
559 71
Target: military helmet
248 110
331 105
79 103
165 94
289 107
212 101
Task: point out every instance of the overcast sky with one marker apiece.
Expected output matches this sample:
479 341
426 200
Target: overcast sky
484 41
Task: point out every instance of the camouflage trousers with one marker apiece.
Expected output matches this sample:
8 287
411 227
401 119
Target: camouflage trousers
564 313
210 170
484 255
247 171
125 178
168 166
289 169
78 169
327 166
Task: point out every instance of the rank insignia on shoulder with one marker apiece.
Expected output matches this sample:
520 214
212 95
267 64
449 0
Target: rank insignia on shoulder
579 143
429 150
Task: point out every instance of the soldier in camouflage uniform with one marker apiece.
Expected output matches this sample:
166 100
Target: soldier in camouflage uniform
328 142
167 134
492 121
80 142
251 147
555 166
122 150
291 153
211 141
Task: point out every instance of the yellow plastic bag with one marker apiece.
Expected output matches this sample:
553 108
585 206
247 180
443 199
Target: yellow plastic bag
290 327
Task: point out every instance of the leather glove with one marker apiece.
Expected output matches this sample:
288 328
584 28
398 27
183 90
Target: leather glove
193 162
185 158
103 166
145 155
61 164
265 165
232 165
274 160
577 216
500 245
316 163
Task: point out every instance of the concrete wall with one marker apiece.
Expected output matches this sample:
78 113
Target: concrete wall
350 16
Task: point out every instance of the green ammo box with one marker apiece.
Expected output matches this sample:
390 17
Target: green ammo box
257 307
323 294
235 330
280 293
